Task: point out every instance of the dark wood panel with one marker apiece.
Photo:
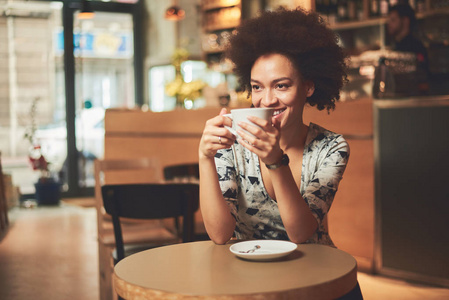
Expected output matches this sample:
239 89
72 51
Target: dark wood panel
412 202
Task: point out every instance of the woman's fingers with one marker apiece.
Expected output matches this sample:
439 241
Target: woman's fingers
220 120
223 111
221 136
215 135
262 139
275 123
226 141
267 133
264 124
253 144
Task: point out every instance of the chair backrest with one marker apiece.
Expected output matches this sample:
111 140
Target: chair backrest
182 172
151 201
121 171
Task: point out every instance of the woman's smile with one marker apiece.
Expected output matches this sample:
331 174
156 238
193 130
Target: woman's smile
278 112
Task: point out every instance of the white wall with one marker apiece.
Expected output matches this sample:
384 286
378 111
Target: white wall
161 39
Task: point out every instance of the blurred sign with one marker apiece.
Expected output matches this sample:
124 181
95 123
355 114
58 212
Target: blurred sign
97 43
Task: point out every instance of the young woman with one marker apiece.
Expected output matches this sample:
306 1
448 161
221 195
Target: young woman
279 183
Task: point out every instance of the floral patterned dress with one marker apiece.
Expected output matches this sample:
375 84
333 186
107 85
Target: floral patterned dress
256 213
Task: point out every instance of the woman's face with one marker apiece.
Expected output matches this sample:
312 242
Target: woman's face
276 83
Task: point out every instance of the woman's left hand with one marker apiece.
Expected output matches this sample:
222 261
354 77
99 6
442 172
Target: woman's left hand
265 142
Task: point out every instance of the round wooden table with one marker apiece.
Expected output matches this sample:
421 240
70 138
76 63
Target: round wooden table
204 270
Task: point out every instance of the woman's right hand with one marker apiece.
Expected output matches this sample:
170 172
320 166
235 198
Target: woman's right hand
216 136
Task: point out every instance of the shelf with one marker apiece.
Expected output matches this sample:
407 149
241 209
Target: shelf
226 18
358 24
383 20
433 12
220 17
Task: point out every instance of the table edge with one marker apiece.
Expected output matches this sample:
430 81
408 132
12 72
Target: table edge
124 289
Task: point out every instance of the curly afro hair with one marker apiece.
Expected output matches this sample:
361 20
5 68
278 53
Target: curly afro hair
301 36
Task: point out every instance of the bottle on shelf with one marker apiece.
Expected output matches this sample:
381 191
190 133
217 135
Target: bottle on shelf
374 8
360 10
352 10
383 7
383 83
342 10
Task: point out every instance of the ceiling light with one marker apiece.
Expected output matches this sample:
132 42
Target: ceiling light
86 11
174 13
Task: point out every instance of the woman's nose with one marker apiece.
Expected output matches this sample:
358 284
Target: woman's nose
268 98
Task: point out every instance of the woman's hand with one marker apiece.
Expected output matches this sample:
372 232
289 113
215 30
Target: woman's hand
265 142
216 136
219 222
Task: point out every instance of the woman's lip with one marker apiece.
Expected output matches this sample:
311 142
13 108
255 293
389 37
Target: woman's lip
279 114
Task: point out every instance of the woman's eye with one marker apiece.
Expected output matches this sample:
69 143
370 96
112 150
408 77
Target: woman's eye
281 86
255 87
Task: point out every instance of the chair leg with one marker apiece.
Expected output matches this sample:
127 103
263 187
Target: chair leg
105 265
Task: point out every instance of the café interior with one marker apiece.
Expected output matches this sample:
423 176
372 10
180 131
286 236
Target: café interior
137 85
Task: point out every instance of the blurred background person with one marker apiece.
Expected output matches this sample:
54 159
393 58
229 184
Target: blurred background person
401 25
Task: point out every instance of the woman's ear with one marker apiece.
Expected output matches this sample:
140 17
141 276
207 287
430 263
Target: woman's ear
310 87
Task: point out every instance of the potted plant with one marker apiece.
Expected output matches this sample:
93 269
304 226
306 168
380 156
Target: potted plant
183 91
48 189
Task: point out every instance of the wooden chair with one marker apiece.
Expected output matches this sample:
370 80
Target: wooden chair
187 173
126 171
150 201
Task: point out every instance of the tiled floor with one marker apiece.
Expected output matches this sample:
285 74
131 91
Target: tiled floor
51 253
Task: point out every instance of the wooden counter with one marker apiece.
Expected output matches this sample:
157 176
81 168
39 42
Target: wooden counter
174 136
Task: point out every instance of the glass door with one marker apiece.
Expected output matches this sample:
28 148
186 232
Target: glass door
104 78
100 73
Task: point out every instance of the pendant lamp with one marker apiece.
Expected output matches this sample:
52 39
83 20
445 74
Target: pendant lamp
174 13
86 11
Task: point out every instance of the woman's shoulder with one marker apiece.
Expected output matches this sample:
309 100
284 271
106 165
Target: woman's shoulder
320 137
323 144
318 133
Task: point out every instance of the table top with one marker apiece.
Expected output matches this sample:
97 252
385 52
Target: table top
204 270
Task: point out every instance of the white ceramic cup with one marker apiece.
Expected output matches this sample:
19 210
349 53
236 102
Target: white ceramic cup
241 115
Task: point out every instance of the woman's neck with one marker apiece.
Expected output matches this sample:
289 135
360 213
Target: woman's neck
294 137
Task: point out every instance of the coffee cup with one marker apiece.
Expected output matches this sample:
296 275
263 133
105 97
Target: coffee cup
241 115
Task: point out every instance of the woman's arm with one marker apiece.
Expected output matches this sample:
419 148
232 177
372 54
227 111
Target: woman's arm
319 191
322 183
296 215
219 222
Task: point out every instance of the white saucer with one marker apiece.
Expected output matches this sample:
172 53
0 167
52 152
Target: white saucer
269 249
